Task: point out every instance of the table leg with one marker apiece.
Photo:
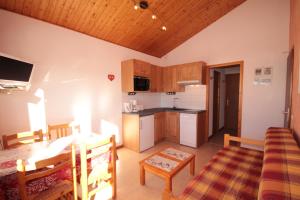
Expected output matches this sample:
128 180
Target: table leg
192 166
168 185
142 175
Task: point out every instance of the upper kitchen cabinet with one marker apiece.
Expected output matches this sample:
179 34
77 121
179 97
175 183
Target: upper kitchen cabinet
132 68
170 80
192 72
156 79
141 68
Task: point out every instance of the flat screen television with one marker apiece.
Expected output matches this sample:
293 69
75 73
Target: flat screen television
14 72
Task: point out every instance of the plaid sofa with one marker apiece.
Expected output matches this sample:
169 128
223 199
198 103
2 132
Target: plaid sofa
240 173
280 178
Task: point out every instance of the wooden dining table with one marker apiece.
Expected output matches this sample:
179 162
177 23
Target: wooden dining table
32 153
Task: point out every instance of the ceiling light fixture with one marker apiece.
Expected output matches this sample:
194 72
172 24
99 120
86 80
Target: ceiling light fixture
144 5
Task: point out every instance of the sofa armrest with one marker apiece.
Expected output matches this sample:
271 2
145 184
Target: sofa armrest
228 138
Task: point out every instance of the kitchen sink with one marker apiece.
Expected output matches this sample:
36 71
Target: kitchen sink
179 109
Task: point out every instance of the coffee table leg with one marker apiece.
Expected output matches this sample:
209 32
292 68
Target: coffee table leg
142 175
168 185
192 166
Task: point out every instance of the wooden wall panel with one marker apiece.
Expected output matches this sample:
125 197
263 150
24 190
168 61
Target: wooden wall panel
116 21
295 43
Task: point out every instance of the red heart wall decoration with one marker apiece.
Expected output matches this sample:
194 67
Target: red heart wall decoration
111 77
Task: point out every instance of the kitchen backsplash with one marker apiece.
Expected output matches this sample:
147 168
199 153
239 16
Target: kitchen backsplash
148 100
194 97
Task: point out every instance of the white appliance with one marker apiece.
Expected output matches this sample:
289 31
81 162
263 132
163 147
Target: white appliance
188 129
146 132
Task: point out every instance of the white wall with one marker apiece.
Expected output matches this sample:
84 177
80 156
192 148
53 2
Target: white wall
256 32
70 73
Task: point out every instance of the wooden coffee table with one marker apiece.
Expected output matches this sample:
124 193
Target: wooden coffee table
166 164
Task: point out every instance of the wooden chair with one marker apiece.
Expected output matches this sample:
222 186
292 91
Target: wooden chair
63 188
15 140
61 130
91 179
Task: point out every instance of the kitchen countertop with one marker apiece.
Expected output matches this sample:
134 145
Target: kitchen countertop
152 111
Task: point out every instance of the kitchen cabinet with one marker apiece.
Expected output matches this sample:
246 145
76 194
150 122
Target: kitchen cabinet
159 126
138 132
156 79
172 127
190 71
162 79
131 68
141 68
170 80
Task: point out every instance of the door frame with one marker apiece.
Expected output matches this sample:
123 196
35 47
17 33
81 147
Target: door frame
225 65
216 123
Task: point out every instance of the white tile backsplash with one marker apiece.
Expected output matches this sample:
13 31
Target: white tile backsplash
194 97
148 100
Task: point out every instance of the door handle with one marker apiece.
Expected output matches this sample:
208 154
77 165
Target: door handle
227 102
286 112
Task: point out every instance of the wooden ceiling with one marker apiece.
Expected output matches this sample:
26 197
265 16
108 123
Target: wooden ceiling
116 21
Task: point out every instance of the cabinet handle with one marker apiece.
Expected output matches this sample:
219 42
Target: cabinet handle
141 124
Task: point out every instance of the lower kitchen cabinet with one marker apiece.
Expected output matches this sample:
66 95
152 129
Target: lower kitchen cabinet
172 127
159 126
138 132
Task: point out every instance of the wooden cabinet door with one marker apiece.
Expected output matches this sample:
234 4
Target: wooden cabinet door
175 86
172 126
142 68
156 79
189 71
127 73
167 79
159 81
159 126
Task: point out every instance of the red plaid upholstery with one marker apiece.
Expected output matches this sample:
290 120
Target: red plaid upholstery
233 173
281 166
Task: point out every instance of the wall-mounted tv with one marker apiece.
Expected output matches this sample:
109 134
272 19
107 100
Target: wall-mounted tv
14 72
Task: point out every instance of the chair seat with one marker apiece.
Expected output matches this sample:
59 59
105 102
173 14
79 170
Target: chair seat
55 192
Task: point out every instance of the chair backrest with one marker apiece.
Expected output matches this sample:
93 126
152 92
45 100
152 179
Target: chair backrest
49 166
15 140
61 130
91 177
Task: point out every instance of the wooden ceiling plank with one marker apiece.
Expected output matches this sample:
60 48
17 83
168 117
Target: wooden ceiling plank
116 21
27 8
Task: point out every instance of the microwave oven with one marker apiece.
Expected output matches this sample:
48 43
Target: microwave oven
141 83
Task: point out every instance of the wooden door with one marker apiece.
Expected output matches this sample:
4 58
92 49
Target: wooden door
288 92
159 126
216 102
232 103
172 126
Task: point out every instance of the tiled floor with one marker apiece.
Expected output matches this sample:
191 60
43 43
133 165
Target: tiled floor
128 186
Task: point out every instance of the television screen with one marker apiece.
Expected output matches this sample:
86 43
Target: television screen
14 70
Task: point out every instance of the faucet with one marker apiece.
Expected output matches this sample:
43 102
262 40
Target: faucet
175 101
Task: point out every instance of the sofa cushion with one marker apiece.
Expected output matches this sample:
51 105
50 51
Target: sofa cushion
281 166
233 173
